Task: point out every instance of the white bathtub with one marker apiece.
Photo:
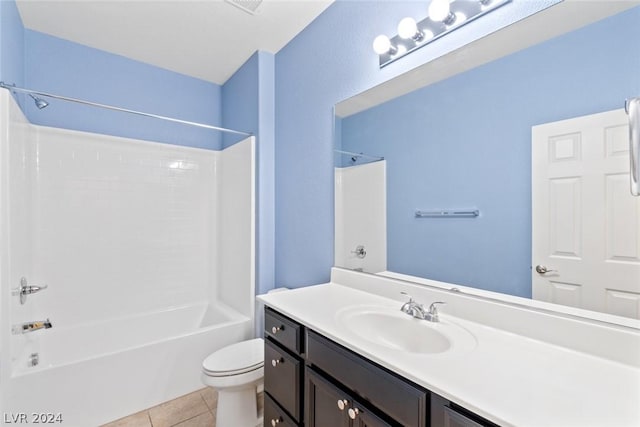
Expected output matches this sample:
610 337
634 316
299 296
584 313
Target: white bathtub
95 373
149 253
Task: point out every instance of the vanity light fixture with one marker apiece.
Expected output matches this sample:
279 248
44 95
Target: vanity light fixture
408 29
382 46
444 16
440 11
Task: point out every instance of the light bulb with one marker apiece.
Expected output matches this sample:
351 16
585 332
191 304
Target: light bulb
439 10
407 28
381 44
460 18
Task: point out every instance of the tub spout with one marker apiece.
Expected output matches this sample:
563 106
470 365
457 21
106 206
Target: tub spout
23 328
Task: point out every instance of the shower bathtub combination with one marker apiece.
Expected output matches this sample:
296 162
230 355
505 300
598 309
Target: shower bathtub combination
147 253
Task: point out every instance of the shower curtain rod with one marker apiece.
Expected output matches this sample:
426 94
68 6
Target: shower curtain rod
124 110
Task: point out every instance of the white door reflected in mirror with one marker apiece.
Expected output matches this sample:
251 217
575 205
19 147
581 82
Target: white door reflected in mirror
586 223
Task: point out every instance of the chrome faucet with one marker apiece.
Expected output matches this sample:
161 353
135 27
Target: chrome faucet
23 328
418 311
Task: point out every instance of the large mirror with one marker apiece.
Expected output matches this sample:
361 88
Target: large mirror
438 183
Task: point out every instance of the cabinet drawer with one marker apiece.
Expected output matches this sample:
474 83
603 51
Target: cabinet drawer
399 399
456 419
274 416
283 330
447 414
283 378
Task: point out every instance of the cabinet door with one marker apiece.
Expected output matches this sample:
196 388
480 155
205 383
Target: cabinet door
386 392
366 419
328 406
322 399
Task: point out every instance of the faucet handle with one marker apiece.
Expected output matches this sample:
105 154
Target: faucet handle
26 289
432 315
407 295
406 307
433 309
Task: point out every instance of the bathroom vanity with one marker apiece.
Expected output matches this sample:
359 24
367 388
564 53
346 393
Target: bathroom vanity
343 354
333 386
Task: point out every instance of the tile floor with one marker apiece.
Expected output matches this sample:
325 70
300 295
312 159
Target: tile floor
197 409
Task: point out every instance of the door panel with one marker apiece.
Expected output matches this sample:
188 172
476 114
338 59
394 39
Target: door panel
322 398
585 223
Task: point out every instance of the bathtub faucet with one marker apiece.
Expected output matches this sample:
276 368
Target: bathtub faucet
23 328
26 289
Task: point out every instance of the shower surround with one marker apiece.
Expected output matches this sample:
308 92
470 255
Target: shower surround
148 253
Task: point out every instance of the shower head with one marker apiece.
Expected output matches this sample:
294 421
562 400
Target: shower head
40 103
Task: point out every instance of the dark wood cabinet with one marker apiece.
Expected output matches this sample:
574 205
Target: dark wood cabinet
328 405
402 401
447 414
283 370
311 381
286 332
283 378
321 405
275 416
366 419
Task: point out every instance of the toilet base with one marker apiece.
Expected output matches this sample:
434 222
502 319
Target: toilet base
234 408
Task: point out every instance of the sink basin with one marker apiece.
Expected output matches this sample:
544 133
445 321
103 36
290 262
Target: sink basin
395 330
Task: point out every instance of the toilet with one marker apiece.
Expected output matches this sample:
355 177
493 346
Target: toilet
236 372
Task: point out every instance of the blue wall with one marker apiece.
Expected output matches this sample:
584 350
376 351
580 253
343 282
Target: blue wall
11 45
248 100
327 62
49 64
63 67
466 142
240 100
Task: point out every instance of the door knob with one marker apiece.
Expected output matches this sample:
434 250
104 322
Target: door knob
342 403
541 269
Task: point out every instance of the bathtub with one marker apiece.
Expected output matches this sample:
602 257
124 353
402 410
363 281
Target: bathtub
148 251
98 372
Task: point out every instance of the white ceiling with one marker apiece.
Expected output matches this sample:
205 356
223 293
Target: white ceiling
207 39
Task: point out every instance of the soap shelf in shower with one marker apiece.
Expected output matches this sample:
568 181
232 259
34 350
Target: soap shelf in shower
448 213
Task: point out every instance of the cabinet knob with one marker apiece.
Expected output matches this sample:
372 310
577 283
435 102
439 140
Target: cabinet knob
353 413
275 329
276 421
342 403
276 362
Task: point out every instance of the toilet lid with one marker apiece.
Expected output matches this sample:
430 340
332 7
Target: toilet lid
236 359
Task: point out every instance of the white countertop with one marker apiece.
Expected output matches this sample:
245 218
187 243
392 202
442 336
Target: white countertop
506 378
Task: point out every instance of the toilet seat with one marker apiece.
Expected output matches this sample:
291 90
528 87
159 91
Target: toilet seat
236 359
